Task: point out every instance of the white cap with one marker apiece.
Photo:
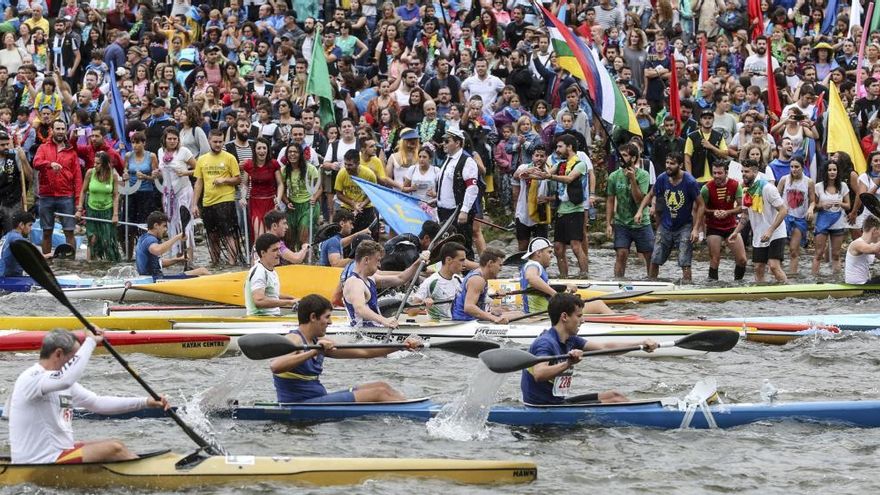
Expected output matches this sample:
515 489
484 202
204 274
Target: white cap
535 245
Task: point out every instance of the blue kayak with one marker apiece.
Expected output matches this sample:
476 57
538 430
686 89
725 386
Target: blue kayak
649 414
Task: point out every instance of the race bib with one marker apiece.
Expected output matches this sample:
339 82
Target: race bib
562 384
66 412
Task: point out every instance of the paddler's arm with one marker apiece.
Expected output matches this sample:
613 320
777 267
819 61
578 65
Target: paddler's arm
474 288
158 249
353 293
412 343
67 376
262 301
543 372
290 361
533 277
404 277
103 404
649 344
295 257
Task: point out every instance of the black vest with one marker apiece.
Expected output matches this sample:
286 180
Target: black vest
698 158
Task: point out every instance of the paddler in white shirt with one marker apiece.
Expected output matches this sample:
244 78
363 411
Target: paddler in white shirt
359 290
39 409
533 275
262 288
444 284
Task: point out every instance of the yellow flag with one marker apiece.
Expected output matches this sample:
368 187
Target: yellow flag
841 135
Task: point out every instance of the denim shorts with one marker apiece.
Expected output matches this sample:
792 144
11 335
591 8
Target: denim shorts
49 206
643 237
668 239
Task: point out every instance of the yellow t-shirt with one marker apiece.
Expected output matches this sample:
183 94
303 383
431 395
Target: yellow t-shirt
707 170
209 167
350 189
375 166
43 24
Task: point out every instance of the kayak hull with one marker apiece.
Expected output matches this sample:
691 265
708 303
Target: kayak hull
179 345
159 472
658 414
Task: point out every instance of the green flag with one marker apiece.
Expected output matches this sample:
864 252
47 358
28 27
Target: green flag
875 19
319 81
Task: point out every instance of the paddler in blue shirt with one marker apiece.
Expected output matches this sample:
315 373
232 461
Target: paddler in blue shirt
297 375
533 275
549 383
22 222
359 290
471 302
149 249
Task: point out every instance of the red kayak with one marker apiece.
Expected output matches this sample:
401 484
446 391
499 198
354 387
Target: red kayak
758 325
155 343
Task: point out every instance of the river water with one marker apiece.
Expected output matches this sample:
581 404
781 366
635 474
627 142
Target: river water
759 458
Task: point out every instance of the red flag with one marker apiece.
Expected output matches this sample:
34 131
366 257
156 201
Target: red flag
820 106
584 31
674 100
773 103
756 18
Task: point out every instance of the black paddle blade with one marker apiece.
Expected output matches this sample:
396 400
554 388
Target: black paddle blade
720 340
33 262
466 347
258 346
388 307
623 294
64 252
515 259
185 216
508 360
871 203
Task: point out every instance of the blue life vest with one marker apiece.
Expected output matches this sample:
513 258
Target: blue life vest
458 312
373 303
524 284
303 382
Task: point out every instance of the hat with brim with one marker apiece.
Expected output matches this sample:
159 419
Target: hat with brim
435 253
535 245
823 46
456 133
409 134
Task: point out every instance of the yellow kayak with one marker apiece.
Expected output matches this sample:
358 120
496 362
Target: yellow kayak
158 471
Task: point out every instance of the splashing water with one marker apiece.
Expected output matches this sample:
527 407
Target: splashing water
464 418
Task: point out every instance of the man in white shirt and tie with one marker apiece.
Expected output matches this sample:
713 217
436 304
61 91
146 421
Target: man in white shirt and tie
458 186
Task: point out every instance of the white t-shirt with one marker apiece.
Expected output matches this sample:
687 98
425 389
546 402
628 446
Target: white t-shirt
40 414
761 222
423 181
866 182
758 65
822 195
440 289
487 89
177 163
446 196
341 149
261 278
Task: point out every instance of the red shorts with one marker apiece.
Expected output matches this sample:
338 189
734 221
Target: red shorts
71 456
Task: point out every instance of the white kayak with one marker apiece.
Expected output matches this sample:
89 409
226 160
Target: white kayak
522 334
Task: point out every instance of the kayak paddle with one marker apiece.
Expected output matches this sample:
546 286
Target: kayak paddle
610 296
185 218
871 203
268 345
35 265
509 360
64 252
412 285
141 226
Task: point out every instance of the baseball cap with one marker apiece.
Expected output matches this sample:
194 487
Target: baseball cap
535 245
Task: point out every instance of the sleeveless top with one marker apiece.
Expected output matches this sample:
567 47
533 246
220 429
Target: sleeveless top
795 194
721 199
100 193
144 166
858 268
534 302
458 313
303 382
373 303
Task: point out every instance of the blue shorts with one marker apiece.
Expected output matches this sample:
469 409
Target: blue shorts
643 237
338 396
667 239
49 206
